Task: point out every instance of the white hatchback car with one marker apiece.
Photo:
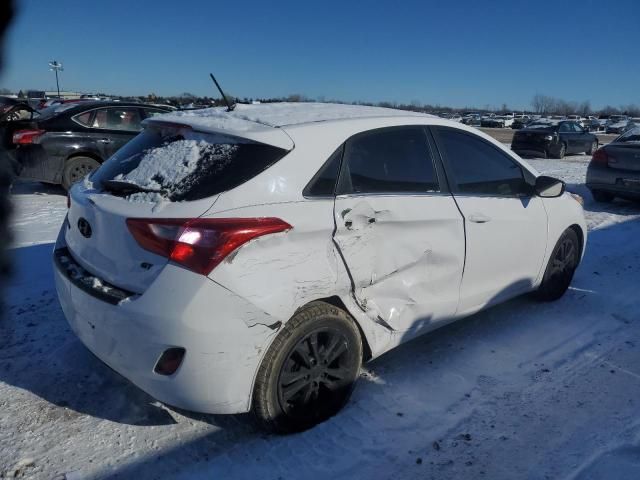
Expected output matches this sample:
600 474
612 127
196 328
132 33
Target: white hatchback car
252 260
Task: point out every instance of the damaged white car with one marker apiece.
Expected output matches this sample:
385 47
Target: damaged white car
251 260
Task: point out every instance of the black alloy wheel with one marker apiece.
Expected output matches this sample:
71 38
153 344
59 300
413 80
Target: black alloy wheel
561 267
316 376
309 370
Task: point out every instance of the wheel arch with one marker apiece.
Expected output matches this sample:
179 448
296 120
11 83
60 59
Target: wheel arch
581 237
337 302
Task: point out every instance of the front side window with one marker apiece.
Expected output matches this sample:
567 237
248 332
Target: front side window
127 119
476 167
393 160
565 128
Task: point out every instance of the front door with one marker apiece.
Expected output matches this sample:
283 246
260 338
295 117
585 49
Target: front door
400 234
506 225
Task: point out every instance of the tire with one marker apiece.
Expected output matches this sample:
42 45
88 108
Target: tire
561 267
592 148
291 397
601 196
561 152
77 168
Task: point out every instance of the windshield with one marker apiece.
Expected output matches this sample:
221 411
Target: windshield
540 125
182 166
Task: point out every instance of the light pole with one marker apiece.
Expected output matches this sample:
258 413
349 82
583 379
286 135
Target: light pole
56 66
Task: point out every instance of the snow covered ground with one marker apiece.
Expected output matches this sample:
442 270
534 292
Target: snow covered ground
524 390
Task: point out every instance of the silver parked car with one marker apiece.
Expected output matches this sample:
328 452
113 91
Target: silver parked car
614 170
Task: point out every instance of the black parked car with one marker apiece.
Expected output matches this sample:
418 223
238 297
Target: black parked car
65 142
614 170
553 139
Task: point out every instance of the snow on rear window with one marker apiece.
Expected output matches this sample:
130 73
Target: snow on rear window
172 167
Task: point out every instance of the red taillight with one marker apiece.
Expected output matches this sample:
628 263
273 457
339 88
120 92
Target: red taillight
600 157
26 137
200 244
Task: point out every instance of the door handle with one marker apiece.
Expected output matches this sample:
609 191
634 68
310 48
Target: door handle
479 218
104 140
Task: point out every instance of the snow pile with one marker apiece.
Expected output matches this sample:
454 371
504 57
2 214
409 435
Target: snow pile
170 170
76 272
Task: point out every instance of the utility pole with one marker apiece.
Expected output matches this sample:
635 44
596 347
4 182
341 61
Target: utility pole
56 66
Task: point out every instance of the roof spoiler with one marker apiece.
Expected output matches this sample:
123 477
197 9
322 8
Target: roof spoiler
226 124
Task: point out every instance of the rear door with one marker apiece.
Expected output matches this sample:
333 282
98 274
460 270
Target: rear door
398 229
569 136
583 138
506 226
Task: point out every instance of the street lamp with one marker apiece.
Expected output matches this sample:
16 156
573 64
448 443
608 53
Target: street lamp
56 66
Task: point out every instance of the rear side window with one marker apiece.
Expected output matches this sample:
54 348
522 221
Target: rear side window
84 119
323 184
393 160
179 168
117 119
476 167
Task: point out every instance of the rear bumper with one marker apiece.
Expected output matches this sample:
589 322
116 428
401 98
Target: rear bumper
622 182
530 152
180 309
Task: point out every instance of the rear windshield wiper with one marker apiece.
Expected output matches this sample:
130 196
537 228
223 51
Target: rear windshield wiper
126 188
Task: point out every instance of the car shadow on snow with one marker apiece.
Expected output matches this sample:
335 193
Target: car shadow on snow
40 354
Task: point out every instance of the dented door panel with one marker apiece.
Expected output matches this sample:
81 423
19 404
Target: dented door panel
405 254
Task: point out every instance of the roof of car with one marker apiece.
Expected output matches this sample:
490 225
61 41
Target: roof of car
281 114
262 122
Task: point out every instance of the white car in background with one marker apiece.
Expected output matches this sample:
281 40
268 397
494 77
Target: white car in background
251 260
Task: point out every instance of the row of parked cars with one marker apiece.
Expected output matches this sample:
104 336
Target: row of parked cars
613 124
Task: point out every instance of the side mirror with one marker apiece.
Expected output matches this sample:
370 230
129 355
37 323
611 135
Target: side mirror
549 187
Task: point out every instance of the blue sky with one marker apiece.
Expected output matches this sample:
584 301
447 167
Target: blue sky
458 53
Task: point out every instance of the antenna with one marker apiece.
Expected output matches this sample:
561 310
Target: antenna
224 97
